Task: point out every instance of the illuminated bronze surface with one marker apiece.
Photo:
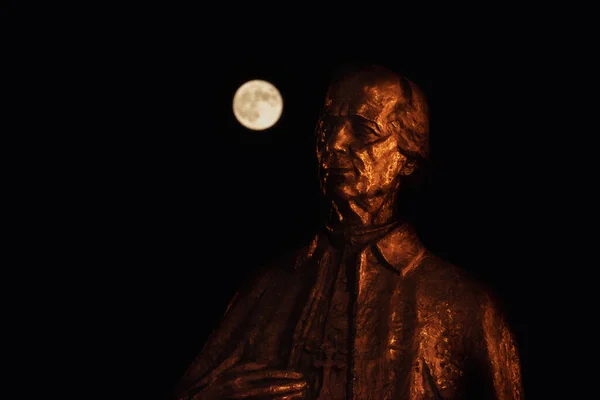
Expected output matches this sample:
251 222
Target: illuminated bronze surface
365 311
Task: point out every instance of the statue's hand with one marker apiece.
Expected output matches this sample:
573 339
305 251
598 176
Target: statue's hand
253 381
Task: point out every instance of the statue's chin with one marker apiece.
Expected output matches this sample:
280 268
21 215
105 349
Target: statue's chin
350 193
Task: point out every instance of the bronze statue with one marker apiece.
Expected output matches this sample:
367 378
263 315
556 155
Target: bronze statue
364 311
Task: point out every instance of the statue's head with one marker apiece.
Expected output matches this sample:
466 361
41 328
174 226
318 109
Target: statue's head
373 133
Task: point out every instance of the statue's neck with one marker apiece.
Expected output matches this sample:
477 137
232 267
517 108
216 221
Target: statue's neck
363 214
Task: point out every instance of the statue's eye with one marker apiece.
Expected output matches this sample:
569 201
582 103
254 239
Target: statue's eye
324 129
321 132
321 140
365 133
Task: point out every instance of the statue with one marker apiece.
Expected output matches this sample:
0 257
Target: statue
365 311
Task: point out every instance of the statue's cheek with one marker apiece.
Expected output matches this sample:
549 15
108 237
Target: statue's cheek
385 163
392 168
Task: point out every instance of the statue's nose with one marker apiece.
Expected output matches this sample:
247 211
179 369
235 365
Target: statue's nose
340 139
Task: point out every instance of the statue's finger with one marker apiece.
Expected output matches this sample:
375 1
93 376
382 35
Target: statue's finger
251 366
283 388
241 381
292 396
272 374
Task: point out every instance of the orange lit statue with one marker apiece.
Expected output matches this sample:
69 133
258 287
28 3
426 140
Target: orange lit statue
364 311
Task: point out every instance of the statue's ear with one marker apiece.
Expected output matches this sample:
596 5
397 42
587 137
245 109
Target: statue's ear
408 167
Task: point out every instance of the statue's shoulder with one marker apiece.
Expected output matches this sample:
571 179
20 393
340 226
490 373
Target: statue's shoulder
309 251
445 281
296 257
306 251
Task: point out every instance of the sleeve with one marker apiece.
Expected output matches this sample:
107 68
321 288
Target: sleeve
501 355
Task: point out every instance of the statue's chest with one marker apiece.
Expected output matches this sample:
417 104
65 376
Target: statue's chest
368 337
360 335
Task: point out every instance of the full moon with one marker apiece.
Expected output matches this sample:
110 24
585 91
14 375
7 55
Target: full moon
257 105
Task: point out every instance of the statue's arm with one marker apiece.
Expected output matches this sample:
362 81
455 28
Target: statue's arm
224 346
501 354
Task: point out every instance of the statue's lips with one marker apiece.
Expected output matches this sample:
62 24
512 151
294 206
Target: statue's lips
336 176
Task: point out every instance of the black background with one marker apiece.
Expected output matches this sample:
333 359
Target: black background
178 203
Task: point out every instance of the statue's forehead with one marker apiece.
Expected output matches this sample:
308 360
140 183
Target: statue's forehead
374 103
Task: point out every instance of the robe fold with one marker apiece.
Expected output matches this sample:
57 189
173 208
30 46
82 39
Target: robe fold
376 317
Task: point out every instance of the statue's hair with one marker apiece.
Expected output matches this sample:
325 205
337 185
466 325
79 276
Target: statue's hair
410 118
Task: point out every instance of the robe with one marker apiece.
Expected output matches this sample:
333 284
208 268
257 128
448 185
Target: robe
374 316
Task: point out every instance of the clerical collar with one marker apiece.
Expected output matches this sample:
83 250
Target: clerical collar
396 245
359 238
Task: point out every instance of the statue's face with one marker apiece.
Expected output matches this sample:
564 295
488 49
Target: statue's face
357 151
